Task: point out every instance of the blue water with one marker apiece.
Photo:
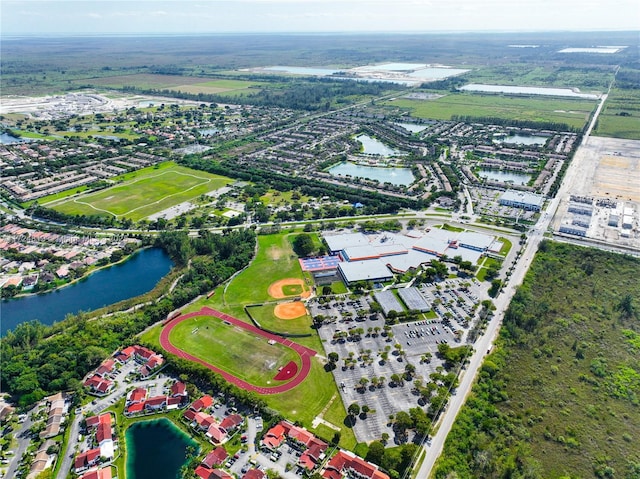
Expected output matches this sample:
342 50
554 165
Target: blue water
6 139
504 176
372 146
523 140
395 176
132 278
156 450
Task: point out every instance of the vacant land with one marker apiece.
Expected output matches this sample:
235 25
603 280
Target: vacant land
245 355
574 113
560 396
620 117
147 81
150 191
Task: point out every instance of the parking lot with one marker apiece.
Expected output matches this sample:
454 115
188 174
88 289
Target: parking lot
372 358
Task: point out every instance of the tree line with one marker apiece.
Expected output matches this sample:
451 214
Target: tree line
39 360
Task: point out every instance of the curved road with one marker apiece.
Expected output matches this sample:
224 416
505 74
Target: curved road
305 353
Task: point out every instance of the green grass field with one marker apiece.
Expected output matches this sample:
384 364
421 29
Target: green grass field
267 319
239 352
574 113
275 260
620 117
146 193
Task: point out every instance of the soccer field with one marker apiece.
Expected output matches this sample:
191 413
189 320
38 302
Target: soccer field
150 191
247 356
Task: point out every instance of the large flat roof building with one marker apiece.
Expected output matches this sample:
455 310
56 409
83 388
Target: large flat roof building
371 270
522 199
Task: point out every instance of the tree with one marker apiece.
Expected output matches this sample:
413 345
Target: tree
353 409
303 244
333 357
326 290
375 454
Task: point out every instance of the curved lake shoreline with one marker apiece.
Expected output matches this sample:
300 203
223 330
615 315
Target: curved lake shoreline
137 275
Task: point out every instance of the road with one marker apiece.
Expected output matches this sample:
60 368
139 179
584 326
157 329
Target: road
485 342
23 436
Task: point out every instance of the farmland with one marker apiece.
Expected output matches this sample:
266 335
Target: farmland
148 191
620 117
574 113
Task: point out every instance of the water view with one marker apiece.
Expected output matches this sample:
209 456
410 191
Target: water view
434 73
528 90
156 450
6 139
302 70
412 127
522 140
371 146
395 176
504 176
132 278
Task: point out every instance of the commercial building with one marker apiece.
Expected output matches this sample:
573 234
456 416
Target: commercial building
522 199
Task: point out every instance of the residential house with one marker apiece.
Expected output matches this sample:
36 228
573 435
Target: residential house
215 458
347 464
104 473
86 460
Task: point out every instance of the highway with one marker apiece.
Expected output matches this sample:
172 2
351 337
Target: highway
485 342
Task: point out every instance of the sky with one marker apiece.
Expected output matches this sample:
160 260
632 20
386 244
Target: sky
20 17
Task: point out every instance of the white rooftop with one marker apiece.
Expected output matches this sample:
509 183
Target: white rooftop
364 270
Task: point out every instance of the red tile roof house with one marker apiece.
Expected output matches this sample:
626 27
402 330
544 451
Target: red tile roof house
216 434
178 389
125 355
215 457
155 403
205 420
104 473
135 408
205 473
274 437
137 395
313 455
93 421
86 460
230 423
254 474
189 415
98 385
345 463
174 402
203 403
142 354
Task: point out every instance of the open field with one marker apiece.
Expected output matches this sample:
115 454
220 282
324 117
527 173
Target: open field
274 261
559 395
620 117
188 84
147 193
574 113
246 355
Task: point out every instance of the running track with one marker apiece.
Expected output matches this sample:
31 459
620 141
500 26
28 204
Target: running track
305 353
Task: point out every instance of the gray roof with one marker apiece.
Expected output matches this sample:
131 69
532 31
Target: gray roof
364 270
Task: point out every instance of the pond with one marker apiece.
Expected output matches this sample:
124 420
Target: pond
504 176
522 140
528 90
395 176
412 127
126 280
156 449
6 139
371 146
208 131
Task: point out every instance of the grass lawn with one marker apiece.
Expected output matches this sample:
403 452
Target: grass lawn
245 355
574 113
292 289
145 194
275 260
268 320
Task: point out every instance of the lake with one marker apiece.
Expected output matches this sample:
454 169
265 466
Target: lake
412 127
132 278
374 147
208 131
6 139
302 70
528 90
156 449
395 176
504 176
523 140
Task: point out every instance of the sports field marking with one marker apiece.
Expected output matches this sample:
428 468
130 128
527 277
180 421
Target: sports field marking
304 353
146 205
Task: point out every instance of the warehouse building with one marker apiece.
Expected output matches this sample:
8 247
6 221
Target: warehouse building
522 199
